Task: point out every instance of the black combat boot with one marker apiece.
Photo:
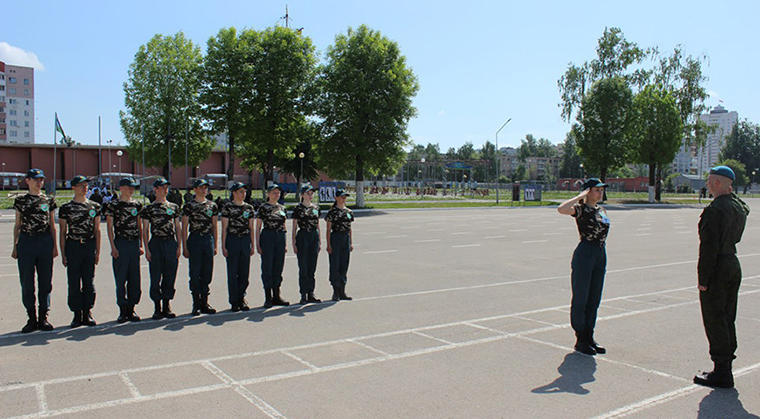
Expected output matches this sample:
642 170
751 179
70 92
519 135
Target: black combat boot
311 298
343 296
157 313
42 321
235 306
167 311
31 324
77 321
123 315
131 315
276 299
205 307
244 305
196 304
582 344
336 293
595 345
268 298
304 299
721 376
87 319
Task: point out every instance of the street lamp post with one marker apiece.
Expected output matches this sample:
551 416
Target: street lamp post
498 172
582 173
301 155
119 154
753 173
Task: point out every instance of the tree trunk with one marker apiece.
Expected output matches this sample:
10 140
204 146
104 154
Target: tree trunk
359 182
658 187
652 182
231 162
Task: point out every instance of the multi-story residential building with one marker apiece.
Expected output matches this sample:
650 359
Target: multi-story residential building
722 122
16 104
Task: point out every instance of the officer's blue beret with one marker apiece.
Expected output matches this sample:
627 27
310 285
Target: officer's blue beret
724 171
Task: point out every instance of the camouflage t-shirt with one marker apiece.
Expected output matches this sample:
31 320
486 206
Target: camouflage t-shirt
199 215
341 219
80 219
35 212
273 216
161 216
239 217
593 224
124 214
308 217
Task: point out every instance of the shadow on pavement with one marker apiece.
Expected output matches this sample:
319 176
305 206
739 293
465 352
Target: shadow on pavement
83 333
574 371
723 403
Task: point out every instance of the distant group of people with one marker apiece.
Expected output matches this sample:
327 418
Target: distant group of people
163 231
721 227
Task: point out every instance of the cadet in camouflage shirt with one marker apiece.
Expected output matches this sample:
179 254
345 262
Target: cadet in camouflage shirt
339 244
125 218
35 248
161 217
306 243
80 250
270 243
237 220
273 216
238 217
199 216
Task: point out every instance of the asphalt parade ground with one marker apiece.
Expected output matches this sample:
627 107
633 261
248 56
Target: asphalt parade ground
458 313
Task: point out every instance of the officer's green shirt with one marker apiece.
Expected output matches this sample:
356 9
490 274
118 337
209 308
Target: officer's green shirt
721 226
80 219
124 214
35 212
161 216
200 215
272 216
308 217
341 219
239 217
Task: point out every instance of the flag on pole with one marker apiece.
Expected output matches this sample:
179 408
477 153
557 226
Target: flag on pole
58 126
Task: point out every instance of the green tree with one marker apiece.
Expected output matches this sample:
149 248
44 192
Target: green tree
739 170
366 103
161 97
743 145
284 66
228 85
656 131
570 166
603 139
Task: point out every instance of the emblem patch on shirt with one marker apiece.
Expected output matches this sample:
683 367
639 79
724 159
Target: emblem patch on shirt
246 214
44 207
133 211
281 213
93 213
169 211
209 212
315 211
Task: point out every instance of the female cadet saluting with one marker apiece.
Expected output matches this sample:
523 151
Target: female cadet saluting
589 262
237 240
80 250
199 216
35 248
270 243
306 242
161 233
339 244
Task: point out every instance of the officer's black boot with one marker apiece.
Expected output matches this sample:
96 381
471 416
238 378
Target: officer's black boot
276 299
196 304
595 345
304 299
244 305
123 316
311 298
268 298
582 344
31 324
157 314
336 293
87 319
343 295
42 321
721 376
77 321
205 307
132 316
167 311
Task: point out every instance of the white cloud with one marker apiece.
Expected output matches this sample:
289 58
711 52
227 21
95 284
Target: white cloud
441 112
16 56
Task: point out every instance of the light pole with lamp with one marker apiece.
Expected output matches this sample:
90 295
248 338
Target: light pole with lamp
119 153
750 186
301 155
753 173
582 173
498 160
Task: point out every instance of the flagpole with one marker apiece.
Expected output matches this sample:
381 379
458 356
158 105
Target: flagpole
55 148
142 137
100 155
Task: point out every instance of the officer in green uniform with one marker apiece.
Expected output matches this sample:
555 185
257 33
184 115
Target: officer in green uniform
339 244
721 226
306 242
161 231
80 250
34 247
125 237
199 218
237 239
271 245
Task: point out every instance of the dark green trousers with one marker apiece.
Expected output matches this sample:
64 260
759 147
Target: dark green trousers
340 242
272 257
80 270
718 305
308 251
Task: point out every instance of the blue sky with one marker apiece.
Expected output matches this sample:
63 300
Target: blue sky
478 62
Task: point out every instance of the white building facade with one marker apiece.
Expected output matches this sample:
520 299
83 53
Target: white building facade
16 104
722 121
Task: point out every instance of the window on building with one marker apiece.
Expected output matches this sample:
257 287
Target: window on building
27 102
2 131
12 91
2 88
2 109
13 123
26 134
2 120
26 92
12 112
13 133
26 82
12 101
12 80
26 124
26 113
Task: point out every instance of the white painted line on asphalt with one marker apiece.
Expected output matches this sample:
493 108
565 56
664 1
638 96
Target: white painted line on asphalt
372 232
436 229
371 348
8 264
374 252
494 237
552 234
432 337
301 360
130 385
265 407
396 237
684 232
427 241
462 232
466 245
535 241
517 230
41 398
409 228
643 229
643 234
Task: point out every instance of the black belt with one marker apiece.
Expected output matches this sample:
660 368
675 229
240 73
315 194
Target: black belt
240 235
37 234
81 241
278 230
164 238
594 243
